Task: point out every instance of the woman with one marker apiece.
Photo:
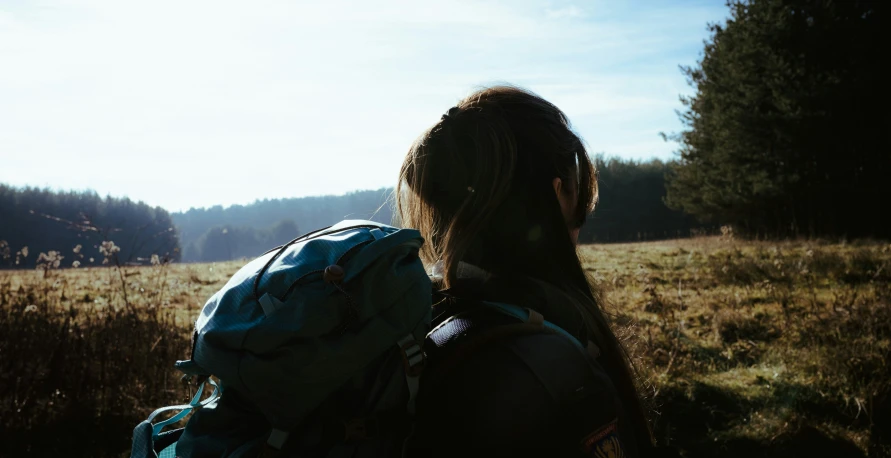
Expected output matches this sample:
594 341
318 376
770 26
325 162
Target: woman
499 188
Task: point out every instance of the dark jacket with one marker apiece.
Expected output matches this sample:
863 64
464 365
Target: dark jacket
518 393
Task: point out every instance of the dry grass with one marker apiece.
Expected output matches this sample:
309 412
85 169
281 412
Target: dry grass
80 365
746 348
758 348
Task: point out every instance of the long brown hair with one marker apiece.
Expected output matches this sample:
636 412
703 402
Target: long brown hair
479 186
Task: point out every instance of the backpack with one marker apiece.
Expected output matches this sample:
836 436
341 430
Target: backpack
319 335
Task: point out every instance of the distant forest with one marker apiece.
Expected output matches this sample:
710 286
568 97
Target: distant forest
631 205
39 227
237 231
631 208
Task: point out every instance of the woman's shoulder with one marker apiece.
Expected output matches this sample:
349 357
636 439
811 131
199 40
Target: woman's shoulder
498 386
471 339
493 349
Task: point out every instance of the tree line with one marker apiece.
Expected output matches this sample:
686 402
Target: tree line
631 205
218 233
41 227
631 208
222 243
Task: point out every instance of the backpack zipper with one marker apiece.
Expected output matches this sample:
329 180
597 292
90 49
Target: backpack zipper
303 279
300 281
303 238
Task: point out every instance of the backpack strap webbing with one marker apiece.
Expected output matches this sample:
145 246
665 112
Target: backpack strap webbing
413 361
273 446
463 334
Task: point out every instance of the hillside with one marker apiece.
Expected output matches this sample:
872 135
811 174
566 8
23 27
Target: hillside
251 229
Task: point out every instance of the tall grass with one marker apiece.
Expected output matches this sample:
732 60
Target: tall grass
79 364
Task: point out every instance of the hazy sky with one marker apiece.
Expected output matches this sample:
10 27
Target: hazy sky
196 103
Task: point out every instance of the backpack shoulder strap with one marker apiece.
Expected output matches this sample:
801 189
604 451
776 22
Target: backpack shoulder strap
482 323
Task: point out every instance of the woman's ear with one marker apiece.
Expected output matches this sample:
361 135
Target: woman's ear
558 187
566 206
566 203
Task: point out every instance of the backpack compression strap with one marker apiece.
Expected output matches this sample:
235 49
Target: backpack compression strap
413 361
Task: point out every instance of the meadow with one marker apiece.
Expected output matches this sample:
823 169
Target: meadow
743 348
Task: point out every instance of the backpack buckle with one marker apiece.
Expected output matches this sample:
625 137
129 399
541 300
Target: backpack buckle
359 429
413 357
189 380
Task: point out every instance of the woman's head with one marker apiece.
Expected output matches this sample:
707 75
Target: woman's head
502 182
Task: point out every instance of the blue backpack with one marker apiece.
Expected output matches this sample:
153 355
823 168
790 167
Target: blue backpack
295 341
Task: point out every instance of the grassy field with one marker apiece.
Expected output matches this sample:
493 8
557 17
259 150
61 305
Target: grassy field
743 348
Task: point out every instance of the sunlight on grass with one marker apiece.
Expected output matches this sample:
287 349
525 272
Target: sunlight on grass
741 347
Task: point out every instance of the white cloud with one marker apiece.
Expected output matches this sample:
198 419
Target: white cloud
570 11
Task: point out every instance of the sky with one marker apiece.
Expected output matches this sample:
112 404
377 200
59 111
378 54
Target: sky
195 103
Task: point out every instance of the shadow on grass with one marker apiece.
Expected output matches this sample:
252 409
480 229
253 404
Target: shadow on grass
806 442
76 433
691 418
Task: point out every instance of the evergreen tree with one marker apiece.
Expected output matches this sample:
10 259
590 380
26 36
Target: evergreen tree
75 224
786 131
631 204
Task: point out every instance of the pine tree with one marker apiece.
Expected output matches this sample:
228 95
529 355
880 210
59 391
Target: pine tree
786 131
